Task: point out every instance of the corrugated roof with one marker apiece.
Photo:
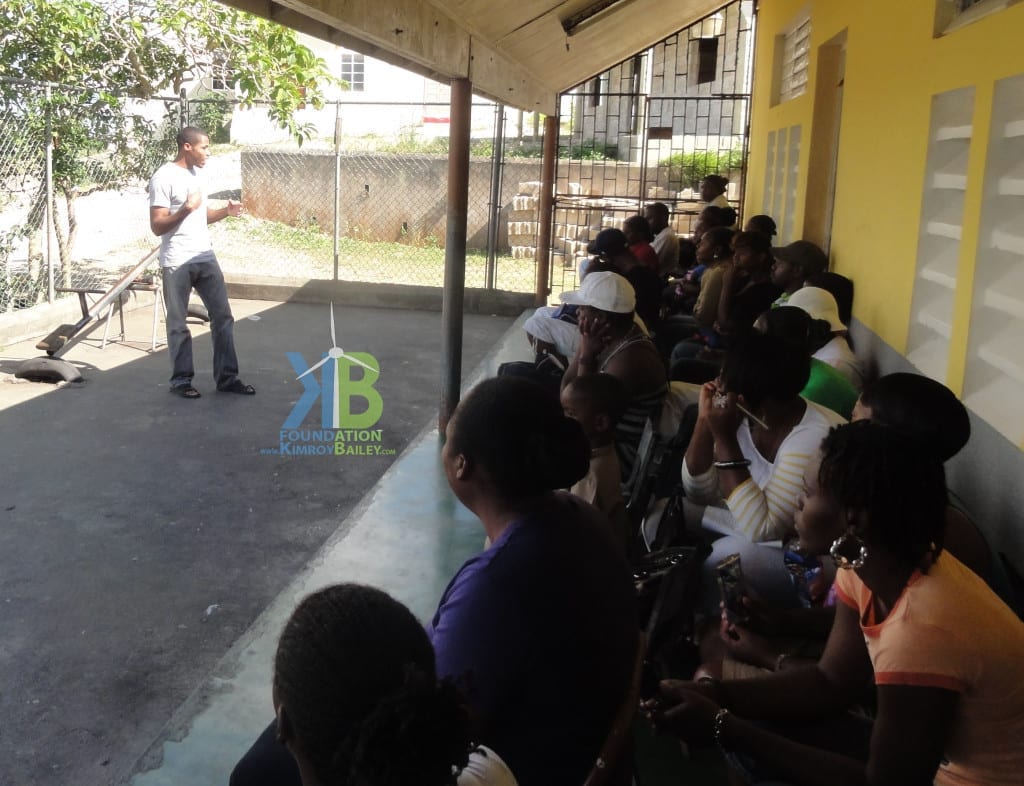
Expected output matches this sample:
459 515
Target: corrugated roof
517 52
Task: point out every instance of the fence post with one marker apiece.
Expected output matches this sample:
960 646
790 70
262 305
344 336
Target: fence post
547 204
337 186
48 223
455 248
182 109
494 214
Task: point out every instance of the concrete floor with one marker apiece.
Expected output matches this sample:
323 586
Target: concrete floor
151 547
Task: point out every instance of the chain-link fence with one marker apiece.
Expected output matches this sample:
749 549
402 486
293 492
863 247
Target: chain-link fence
358 207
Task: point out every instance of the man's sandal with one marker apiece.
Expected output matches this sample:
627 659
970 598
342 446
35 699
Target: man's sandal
238 387
185 391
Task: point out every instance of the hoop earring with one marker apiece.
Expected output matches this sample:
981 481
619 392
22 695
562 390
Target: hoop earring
843 562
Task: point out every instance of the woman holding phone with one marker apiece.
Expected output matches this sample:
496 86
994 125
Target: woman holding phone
946 654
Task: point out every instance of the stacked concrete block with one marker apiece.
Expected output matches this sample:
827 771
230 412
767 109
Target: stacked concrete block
523 225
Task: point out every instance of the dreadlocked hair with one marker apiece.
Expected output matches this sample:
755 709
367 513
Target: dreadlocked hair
354 672
895 480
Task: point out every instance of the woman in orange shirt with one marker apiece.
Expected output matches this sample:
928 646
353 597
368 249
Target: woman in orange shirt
946 654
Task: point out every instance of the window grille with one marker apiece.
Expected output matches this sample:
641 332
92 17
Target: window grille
352 72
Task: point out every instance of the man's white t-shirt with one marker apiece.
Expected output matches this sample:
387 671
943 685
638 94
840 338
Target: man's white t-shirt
666 244
190 240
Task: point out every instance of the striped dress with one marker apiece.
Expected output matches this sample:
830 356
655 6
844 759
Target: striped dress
763 505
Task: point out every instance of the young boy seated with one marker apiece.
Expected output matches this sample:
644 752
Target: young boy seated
597 401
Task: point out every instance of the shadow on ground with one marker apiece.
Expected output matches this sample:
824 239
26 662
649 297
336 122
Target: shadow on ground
141 533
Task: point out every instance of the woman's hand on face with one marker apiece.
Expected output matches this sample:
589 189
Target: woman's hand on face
720 411
595 334
683 709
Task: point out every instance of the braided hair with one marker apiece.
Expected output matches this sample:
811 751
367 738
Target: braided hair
354 672
897 481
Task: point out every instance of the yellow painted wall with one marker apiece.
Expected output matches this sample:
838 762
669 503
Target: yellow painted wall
894 65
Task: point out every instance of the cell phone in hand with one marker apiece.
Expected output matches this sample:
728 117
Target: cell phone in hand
730 582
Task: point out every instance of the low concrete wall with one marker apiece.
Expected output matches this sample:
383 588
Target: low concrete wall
382 197
352 293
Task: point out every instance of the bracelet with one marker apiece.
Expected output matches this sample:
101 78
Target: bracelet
734 464
717 726
783 657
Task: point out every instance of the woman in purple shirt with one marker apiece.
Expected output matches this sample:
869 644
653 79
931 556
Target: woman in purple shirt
540 628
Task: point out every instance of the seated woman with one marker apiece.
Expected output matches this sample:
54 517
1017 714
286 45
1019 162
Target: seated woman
920 408
836 350
541 626
714 255
946 654
747 468
747 291
540 630
612 343
357 699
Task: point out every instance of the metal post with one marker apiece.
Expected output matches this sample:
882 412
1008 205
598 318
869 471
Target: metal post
337 186
455 249
182 109
494 212
547 208
49 227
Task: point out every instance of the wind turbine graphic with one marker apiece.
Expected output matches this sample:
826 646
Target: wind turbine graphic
335 353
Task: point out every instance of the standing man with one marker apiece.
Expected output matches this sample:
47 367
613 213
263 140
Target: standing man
665 241
179 216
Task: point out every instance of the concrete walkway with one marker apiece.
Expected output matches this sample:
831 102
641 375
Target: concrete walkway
151 547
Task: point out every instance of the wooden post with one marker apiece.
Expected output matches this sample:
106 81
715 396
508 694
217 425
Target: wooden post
455 249
547 206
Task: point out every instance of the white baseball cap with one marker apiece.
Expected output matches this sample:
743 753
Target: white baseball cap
605 291
819 303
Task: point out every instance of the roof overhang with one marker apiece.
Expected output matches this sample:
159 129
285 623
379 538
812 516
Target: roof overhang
519 53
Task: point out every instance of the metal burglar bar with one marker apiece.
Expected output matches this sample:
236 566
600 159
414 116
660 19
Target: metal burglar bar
649 129
356 206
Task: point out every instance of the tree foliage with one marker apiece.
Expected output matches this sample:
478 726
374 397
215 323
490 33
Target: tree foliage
99 55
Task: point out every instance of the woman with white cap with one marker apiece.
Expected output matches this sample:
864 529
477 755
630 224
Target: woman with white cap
821 305
612 343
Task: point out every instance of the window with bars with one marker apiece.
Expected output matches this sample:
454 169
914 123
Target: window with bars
352 72
951 15
794 54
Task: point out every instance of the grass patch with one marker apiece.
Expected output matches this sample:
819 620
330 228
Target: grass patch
256 247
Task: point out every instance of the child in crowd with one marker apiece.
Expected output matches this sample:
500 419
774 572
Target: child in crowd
597 401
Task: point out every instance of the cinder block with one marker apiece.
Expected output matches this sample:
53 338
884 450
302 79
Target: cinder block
530 188
522 202
524 252
522 215
527 239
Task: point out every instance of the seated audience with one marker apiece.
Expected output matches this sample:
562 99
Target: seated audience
541 627
747 288
825 386
945 653
931 414
763 224
794 264
357 700
612 343
836 351
639 236
841 288
712 190
747 467
714 252
596 402
611 251
665 241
